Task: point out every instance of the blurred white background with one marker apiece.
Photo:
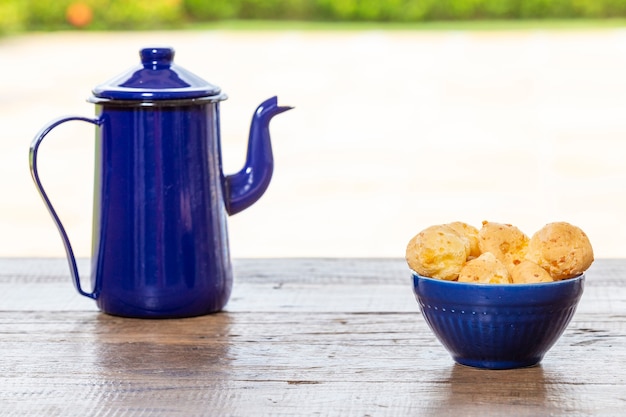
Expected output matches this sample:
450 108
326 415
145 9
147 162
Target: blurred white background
392 131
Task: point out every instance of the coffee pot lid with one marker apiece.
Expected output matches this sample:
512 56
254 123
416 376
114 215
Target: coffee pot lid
156 79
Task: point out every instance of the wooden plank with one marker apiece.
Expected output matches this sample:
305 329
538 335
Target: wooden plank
241 363
299 270
351 285
340 363
300 337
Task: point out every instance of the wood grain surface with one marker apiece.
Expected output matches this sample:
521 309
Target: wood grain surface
300 337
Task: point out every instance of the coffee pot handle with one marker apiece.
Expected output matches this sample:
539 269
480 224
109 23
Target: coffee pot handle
34 149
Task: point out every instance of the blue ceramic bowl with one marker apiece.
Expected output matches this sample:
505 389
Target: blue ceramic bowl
497 326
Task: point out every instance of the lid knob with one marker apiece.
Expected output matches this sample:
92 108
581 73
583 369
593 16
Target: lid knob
157 58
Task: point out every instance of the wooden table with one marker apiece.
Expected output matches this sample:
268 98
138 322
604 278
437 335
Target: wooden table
300 337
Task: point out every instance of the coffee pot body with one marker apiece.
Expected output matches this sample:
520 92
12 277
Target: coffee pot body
161 200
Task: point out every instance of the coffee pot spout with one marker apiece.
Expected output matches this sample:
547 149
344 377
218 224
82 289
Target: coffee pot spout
245 187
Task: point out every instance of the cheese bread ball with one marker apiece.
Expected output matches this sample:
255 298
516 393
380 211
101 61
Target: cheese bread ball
470 233
437 252
505 241
486 269
528 272
561 249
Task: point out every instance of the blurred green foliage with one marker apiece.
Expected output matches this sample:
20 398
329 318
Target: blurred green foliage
20 15
24 15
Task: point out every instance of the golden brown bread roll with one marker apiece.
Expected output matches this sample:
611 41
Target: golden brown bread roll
486 269
499 253
528 272
437 252
470 233
561 249
505 241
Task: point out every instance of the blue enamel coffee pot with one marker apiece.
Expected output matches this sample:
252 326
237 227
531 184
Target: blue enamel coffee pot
160 241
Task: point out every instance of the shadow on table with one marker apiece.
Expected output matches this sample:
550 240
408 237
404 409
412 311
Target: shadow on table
521 392
159 352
